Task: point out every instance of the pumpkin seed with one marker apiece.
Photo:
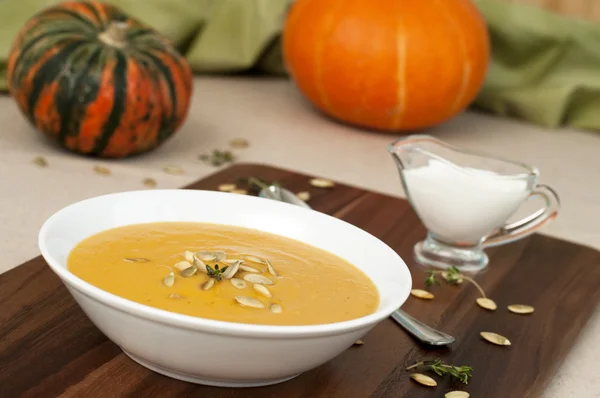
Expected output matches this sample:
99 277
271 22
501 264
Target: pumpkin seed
136 259
190 271
321 183
256 278
227 187
495 338
169 280
247 268
271 269
458 281
422 294
254 259
230 261
305 196
231 270
276 309
240 191
423 379
182 265
173 170
359 342
457 394
200 264
239 143
206 256
189 256
260 289
521 309
219 256
208 284
246 301
236 282
487 303
40 161
175 296
102 170
150 182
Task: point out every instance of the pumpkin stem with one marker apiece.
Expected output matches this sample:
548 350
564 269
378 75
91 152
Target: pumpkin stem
115 35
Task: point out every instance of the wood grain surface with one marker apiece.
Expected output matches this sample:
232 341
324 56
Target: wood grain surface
49 348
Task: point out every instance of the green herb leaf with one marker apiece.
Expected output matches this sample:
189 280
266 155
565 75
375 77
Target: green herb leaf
462 373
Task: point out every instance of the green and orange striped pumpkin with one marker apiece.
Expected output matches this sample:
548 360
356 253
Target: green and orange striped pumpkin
98 82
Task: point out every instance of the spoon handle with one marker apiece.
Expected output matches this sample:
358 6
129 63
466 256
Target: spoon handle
421 331
424 333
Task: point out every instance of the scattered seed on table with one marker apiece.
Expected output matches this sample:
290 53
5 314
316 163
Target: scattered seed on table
150 182
40 161
102 170
173 170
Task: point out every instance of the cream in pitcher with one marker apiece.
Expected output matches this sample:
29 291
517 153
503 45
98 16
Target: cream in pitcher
464 200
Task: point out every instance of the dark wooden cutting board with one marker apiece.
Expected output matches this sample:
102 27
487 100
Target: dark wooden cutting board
49 348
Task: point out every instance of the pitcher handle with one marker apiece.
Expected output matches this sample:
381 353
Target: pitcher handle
528 225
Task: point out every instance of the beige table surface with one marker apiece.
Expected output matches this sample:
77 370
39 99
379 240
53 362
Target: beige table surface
284 131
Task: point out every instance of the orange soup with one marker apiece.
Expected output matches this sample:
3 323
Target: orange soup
224 273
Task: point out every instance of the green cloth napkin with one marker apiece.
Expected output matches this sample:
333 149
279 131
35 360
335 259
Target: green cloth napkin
544 67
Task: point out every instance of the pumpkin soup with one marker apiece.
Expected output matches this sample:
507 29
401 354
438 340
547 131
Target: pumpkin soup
224 273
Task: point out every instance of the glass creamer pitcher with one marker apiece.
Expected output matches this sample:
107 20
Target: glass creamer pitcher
464 199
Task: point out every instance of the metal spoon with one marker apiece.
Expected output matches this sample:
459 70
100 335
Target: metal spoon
418 329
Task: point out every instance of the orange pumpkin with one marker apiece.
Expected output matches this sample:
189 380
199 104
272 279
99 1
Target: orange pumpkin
389 65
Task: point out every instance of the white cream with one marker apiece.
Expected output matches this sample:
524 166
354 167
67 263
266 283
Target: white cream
463 205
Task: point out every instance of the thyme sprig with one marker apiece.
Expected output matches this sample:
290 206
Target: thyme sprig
452 276
462 373
216 272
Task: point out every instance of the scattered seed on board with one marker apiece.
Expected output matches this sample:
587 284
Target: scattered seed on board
247 268
254 259
240 191
256 278
230 261
495 338
227 187
271 269
174 170
422 294
321 183
102 170
246 301
521 309
457 394
169 280
208 284
182 265
136 259
260 289
40 161
190 271
150 182
487 303
305 196
276 309
231 270
459 280
359 342
236 282
423 379
175 296
239 143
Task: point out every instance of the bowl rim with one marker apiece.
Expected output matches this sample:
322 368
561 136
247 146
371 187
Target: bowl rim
190 322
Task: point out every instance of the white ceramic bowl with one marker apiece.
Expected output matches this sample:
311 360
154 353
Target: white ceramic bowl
215 352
